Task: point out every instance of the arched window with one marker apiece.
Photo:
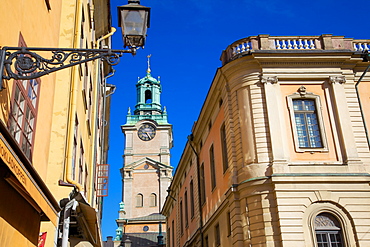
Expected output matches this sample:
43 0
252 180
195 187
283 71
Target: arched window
153 200
148 96
328 231
139 200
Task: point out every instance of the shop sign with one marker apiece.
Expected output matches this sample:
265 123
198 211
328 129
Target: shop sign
10 160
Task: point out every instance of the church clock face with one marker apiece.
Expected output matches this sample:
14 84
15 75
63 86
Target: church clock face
146 132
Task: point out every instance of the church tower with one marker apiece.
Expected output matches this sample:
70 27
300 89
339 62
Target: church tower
146 172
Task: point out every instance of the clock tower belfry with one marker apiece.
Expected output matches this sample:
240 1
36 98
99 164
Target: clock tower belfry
146 172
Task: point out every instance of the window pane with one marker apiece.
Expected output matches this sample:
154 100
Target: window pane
307 125
23 113
328 231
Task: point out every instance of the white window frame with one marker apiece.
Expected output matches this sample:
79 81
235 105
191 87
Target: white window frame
316 98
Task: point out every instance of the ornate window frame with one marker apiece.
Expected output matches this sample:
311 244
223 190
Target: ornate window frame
303 94
340 215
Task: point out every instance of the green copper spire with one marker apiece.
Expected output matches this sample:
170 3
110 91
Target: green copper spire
148 104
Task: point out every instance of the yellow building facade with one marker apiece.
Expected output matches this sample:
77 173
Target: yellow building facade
279 155
54 127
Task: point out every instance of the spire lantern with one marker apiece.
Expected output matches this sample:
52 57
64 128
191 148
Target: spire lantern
148 104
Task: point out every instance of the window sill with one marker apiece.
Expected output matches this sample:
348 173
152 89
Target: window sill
322 163
311 150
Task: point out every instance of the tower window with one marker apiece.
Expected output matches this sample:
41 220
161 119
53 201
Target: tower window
181 218
217 235
191 199
186 209
225 164
328 231
212 167
139 200
202 185
148 96
153 200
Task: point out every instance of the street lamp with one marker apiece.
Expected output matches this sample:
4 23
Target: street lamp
23 63
133 18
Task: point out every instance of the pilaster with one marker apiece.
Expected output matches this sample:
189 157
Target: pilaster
347 138
275 119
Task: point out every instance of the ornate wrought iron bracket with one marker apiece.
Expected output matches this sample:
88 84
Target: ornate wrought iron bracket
22 63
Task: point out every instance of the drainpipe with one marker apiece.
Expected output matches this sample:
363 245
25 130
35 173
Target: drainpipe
73 103
97 45
190 140
366 59
112 31
98 70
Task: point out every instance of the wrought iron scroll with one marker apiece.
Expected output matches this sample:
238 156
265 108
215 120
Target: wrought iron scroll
22 63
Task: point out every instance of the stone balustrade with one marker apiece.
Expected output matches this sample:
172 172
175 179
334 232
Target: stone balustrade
298 43
361 45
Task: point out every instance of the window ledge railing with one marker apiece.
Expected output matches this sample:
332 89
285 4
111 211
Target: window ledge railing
298 43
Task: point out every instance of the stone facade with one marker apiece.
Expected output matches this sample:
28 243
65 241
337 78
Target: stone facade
146 173
280 154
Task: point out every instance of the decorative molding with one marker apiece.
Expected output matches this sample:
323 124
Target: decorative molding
302 91
269 79
337 79
302 63
322 221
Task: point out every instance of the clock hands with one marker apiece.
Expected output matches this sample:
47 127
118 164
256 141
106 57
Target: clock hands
146 132
149 136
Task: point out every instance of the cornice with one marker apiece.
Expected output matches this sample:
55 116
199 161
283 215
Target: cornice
301 63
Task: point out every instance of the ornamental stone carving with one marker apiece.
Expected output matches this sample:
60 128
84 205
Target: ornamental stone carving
127 174
302 91
325 222
269 79
337 79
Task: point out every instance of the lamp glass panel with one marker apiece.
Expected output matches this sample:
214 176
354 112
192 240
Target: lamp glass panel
134 22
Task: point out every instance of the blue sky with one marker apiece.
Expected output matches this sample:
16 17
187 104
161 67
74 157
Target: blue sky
186 39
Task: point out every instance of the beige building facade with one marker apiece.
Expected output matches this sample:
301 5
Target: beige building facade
55 139
279 155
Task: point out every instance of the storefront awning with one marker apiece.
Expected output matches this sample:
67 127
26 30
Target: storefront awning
83 221
26 179
89 222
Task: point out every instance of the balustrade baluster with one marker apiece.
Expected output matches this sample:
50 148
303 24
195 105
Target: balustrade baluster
295 44
289 45
366 46
248 46
312 44
278 46
234 50
305 44
238 49
360 47
284 44
355 46
300 45
243 47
